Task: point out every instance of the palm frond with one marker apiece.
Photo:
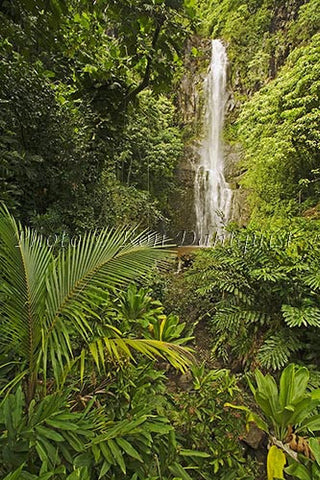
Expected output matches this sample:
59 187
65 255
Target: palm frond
105 259
98 260
118 349
313 280
45 298
24 260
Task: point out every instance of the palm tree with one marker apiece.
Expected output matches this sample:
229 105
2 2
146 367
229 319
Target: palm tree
46 299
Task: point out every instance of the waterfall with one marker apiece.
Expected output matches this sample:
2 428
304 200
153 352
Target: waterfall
213 196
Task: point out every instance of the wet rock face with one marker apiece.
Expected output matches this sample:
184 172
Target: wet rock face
190 106
232 157
189 99
182 197
233 172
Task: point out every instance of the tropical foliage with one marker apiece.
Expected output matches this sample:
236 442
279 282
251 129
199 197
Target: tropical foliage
202 422
282 120
291 411
71 75
46 299
263 293
54 336
273 49
87 435
113 364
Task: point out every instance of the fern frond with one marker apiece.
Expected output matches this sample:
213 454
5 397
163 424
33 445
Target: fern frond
313 280
303 316
269 274
277 349
231 318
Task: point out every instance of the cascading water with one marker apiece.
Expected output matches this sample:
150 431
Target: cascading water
213 196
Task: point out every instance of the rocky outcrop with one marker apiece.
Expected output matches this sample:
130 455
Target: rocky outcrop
190 107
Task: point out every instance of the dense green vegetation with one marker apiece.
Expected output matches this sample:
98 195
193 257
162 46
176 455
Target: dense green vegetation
280 131
71 116
73 407
261 293
113 364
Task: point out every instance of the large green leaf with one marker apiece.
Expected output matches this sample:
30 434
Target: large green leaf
315 447
267 395
276 461
293 384
128 448
312 424
299 471
179 471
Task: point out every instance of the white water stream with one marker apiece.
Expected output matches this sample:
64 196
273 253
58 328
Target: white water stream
213 196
